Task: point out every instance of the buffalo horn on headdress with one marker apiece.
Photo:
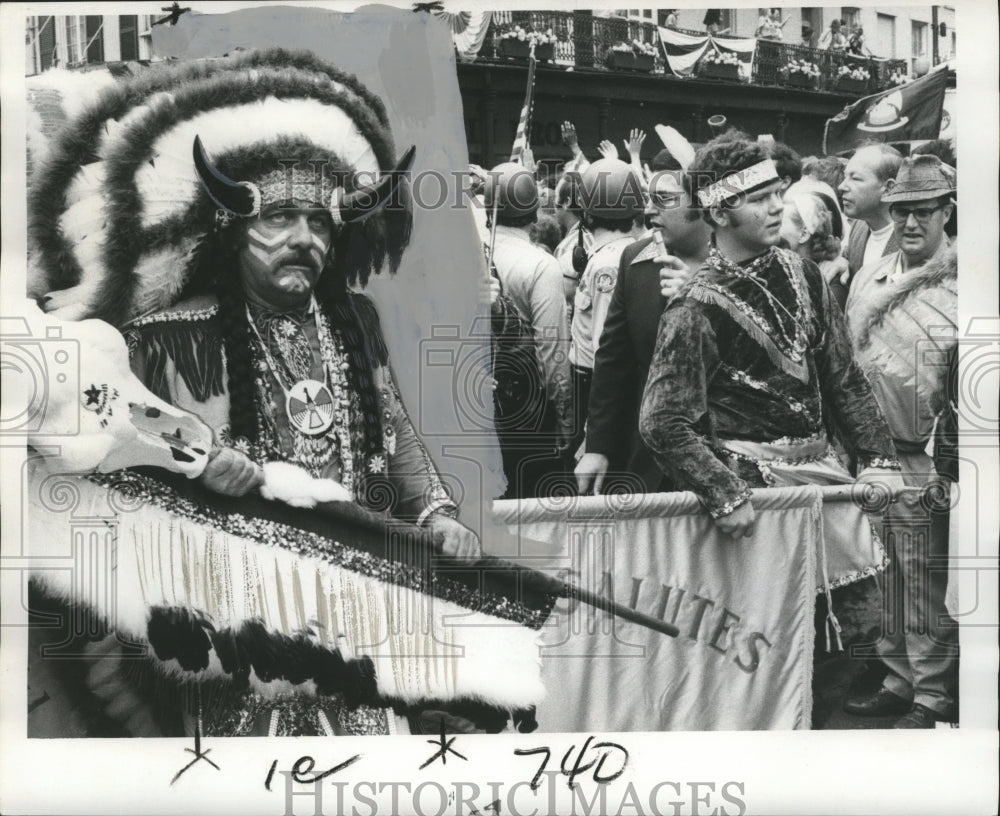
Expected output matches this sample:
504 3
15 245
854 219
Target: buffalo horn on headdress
348 208
238 197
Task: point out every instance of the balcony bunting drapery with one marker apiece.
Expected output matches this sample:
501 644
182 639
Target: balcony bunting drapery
468 31
682 51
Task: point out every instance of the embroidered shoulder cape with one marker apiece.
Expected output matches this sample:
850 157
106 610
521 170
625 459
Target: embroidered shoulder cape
763 357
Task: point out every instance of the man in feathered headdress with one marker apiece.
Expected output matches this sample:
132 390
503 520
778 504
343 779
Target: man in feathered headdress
275 352
219 214
243 200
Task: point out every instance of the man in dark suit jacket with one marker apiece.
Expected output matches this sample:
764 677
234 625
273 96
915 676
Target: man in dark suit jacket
649 274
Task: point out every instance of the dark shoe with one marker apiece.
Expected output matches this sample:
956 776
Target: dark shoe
882 703
920 716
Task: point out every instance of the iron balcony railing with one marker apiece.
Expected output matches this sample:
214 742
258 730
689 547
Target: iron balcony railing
586 41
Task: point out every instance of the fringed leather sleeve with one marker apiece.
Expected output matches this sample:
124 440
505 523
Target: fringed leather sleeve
188 343
417 486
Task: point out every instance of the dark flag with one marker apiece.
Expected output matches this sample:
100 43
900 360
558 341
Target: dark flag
910 111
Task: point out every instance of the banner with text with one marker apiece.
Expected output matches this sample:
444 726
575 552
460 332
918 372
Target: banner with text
744 610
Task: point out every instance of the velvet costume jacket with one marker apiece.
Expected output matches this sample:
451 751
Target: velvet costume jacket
178 354
720 372
621 366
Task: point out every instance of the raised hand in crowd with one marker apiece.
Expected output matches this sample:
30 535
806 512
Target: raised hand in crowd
740 523
633 144
591 470
569 137
231 473
607 149
528 160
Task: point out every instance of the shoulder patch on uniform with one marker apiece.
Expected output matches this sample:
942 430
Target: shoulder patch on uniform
605 277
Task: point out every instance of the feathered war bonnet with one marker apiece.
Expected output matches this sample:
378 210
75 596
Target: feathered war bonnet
120 214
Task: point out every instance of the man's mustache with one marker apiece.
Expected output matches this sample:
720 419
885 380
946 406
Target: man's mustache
311 258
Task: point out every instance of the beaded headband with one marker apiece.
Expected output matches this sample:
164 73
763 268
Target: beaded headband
294 183
743 181
244 199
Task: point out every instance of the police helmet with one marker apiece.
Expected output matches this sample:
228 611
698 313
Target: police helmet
610 189
513 189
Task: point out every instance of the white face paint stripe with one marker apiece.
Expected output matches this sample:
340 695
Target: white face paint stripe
268 242
279 241
263 255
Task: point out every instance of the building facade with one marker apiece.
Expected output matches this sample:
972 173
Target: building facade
580 82
78 41
894 32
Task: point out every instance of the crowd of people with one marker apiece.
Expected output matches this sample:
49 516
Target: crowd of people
721 319
839 37
730 317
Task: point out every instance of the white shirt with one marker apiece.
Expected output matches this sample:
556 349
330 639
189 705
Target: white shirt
876 244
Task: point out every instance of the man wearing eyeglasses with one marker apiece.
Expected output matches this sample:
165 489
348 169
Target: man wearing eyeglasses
650 273
902 313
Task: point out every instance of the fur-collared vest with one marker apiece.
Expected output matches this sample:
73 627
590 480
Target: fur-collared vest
902 333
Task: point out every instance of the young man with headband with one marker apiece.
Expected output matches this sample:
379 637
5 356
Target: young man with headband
752 361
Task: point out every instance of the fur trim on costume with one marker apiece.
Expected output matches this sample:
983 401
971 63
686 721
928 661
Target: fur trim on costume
293 485
224 595
940 271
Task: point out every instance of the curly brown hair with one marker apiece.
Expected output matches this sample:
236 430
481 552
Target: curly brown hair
723 156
